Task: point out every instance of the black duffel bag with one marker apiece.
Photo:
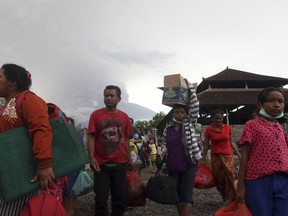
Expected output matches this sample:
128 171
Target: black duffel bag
162 189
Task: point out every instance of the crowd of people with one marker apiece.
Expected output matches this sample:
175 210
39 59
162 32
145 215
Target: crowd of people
263 172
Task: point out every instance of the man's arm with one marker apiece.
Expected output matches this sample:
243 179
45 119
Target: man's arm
91 149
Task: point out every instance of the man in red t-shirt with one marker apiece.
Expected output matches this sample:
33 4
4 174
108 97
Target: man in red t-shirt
109 130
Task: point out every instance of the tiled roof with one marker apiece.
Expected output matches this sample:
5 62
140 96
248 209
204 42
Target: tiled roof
230 78
221 96
236 75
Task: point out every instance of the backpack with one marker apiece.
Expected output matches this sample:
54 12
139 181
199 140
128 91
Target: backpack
44 204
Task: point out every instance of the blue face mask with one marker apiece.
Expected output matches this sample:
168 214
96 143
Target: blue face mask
262 112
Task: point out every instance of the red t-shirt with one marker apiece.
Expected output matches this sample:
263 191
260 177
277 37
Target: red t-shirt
111 133
220 140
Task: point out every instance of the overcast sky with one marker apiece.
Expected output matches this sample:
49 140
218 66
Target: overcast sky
75 48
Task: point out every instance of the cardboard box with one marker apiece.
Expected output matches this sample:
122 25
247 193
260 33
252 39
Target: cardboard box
174 80
175 95
175 90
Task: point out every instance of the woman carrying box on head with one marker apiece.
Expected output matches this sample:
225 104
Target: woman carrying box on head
183 151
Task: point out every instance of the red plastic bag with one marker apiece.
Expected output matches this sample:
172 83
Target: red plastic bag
234 209
44 204
204 178
136 190
244 211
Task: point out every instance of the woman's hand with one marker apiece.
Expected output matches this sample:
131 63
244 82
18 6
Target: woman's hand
240 192
45 176
203 161
187 82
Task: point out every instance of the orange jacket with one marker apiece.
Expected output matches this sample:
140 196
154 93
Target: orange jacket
34 115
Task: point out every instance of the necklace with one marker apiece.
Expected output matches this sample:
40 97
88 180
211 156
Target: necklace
2 102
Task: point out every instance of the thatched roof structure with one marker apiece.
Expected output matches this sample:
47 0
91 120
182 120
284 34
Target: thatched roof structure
235 92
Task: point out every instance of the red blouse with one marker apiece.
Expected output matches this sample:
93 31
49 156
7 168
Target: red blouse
220 140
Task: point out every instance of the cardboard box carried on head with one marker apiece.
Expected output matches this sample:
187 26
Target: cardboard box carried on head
174 80
175 90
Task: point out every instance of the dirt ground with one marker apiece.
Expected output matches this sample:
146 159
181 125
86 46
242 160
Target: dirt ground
206 202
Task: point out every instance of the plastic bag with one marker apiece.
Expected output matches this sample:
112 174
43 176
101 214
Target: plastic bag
44 204
234 209
135 158
204 178
136 190
244 211
83 184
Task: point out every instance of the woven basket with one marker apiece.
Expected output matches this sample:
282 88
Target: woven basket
17 165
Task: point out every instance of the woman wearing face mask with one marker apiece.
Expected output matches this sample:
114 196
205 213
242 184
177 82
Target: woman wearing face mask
183 150
219 136
263 173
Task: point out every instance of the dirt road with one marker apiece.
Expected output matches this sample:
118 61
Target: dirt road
206 202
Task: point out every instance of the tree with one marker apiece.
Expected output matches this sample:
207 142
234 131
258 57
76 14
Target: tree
157 119
148 125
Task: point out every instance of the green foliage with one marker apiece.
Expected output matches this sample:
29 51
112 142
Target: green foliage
148 125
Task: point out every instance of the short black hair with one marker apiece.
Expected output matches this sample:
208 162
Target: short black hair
132 120
217 111
180 106
113 87
263 95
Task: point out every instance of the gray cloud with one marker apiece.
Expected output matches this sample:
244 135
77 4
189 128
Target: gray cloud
152 58
75 48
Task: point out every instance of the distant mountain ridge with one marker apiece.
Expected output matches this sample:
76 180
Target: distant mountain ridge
137 112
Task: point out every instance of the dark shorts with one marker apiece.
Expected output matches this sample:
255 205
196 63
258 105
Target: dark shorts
185 182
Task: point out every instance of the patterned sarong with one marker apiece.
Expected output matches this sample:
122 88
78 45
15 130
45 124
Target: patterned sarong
223 170
14 208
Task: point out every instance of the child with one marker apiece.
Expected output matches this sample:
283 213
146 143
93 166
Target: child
263 177
153 153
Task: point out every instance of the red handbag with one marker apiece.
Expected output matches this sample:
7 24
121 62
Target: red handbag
136 190
204 178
